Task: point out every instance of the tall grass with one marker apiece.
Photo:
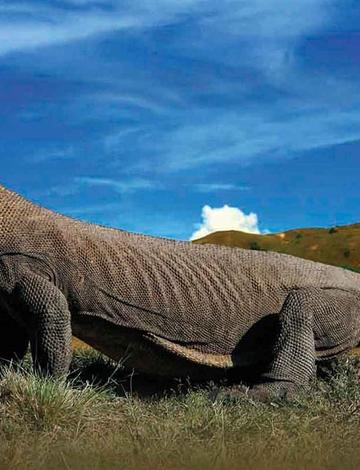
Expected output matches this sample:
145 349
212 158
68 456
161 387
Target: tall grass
53 424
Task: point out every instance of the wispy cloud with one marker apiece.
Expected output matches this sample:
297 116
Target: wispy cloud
54 154
196 134
249 136
131 100
128 186
163 225
115 139
26 25
211 187
91 209
76 184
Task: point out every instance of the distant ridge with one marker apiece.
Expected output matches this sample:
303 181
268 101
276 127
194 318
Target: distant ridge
339 246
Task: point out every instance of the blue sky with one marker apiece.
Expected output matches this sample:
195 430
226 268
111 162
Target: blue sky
149 115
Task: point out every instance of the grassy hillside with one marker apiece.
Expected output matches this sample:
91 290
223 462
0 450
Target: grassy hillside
339 246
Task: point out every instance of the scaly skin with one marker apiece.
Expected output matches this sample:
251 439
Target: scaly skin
172 308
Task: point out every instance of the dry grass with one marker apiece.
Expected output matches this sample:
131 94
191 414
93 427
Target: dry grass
74 425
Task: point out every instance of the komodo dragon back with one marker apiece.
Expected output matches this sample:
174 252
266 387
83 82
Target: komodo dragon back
197 301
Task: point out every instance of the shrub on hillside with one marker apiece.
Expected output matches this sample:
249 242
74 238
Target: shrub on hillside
254 245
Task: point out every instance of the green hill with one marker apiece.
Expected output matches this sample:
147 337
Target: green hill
339 246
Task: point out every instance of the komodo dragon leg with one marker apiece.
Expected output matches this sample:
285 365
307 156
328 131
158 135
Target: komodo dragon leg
49 324
14 339
310 320
293 361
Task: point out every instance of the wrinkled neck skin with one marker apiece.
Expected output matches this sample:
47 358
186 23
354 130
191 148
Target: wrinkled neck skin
7 276
18 218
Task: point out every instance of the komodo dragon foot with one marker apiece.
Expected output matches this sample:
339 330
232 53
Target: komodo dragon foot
274 391
265 392
292 366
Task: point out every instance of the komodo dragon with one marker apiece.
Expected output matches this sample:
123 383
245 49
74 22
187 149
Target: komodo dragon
171 307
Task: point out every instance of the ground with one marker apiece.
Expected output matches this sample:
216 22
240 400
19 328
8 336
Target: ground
102 418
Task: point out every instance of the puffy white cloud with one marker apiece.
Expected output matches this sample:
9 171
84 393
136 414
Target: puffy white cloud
225 218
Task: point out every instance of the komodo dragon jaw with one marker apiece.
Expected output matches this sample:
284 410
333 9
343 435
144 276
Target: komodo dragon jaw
191 308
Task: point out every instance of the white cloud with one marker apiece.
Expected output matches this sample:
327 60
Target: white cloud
225 218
